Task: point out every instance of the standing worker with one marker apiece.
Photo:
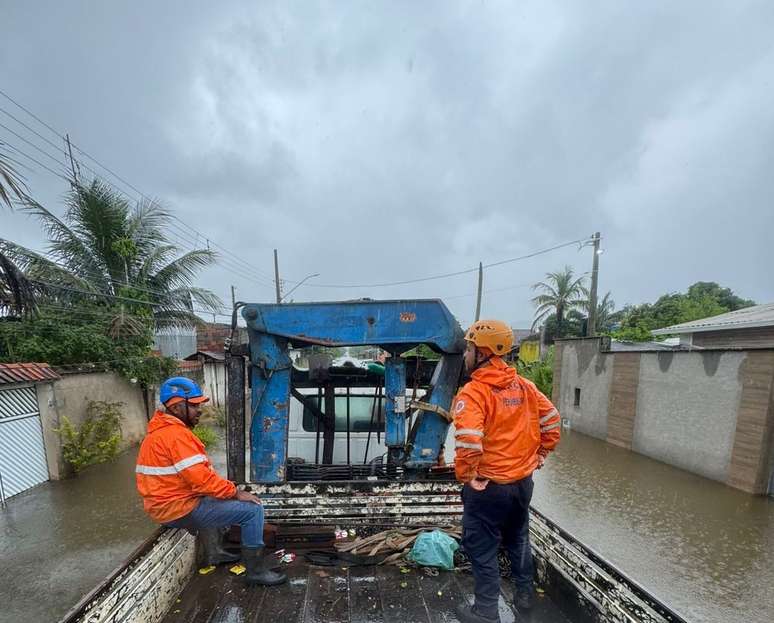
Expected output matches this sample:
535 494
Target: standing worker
505 427
180 489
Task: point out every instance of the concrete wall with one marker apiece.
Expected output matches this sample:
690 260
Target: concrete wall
584 367
686 409
709 412
757 337
70 397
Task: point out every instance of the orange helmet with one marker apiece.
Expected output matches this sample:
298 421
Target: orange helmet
492 334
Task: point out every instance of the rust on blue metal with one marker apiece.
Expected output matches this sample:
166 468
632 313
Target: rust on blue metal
395 326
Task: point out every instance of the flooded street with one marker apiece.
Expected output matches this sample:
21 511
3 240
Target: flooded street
60 539
702 547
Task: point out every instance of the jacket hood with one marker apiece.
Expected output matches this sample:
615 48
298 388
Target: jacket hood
162 420
497 373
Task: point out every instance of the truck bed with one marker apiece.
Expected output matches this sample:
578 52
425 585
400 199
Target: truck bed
364 594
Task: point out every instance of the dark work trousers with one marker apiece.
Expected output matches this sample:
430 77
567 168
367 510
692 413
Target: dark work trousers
497 515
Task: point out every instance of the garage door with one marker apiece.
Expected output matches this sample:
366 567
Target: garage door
22 453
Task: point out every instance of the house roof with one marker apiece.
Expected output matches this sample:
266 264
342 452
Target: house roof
621 346
747 318
519 335
207 354
11 373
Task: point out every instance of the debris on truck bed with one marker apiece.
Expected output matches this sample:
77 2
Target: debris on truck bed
393 544
366 594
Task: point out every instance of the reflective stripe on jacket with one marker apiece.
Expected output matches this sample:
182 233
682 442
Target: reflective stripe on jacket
173 471
503 422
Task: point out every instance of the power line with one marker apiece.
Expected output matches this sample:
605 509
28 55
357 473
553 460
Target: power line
104 295
36 161
238 261
460 296
142 195
87 273
452 274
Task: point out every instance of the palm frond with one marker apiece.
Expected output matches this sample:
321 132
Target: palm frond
99 216
154 260
181 271
17 293
145 226
68 249
12 186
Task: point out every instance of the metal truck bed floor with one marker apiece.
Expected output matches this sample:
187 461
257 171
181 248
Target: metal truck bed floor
336 594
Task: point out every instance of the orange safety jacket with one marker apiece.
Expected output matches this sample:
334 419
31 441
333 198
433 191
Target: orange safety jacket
173 471
503 422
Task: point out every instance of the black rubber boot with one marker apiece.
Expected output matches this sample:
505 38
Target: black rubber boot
468 614
212 545
259 568
524 598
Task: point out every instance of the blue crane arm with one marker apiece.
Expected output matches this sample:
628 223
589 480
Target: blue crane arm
381 323
395 326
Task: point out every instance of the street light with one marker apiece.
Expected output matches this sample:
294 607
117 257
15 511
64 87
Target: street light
287 294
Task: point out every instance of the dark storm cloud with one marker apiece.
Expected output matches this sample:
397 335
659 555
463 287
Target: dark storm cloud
374 142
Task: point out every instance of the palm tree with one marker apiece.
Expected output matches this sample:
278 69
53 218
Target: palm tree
559 293
605 310
16 292
105 249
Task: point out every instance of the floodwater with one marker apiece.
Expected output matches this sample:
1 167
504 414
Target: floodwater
60 539
703 548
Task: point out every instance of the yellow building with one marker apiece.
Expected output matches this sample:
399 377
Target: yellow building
529 351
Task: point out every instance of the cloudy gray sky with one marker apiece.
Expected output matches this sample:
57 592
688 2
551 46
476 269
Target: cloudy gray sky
376 142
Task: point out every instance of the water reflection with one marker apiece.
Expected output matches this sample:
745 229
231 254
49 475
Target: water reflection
700 546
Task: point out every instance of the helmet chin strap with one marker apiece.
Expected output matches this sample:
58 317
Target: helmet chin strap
479 364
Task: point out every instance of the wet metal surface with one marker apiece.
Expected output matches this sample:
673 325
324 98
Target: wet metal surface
698 545
60 539
337 594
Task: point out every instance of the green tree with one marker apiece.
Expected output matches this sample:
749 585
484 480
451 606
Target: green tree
724 297
105 249
560 293
572 326
701 300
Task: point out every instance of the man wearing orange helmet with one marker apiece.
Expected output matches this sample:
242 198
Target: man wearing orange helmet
505 427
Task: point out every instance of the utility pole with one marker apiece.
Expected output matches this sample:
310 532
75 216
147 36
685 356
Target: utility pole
233 297
72 160
276 277
480 285
591 327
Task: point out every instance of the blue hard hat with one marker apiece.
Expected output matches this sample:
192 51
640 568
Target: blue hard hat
182 388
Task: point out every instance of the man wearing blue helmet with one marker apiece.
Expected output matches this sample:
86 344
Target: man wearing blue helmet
180 489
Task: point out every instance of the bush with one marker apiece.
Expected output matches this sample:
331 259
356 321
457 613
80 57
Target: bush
215 414
540 372
96 439
205 434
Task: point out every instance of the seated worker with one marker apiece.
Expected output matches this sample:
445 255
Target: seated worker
180 489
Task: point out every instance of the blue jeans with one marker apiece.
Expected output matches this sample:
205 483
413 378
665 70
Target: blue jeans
497 515
214 513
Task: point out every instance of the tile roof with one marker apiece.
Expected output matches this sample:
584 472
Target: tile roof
26 373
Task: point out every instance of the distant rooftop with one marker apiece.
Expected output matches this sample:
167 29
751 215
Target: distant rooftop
26 373
747 318
621 346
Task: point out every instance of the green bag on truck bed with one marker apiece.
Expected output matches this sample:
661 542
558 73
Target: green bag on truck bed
434 549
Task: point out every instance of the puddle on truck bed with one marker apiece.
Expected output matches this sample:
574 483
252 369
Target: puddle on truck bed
336 594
